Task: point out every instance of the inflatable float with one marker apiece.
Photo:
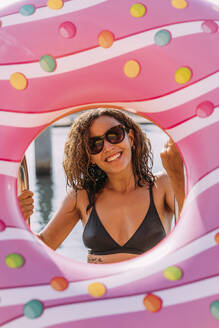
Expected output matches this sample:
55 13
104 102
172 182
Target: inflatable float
159 59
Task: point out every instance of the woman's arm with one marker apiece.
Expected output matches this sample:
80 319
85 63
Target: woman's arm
173 164
61 224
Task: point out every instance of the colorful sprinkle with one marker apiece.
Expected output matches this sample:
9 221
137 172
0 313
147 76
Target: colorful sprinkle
162 38
55 4
105 39
216 237
59 283
204 109
209 27
47 63
33 309
183 75
67 30
2 226
179 4
18 81
27 10
214 309
152 303
131 68
14 261
172 273
137 10
96 289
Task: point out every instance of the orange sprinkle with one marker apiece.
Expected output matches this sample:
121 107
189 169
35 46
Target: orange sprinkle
216 237
105 39
152 303
59 283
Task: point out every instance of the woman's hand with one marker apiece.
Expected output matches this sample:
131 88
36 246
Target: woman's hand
173 164
25 200
171 160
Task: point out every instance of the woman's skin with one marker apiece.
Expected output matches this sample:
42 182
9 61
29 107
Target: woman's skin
121 206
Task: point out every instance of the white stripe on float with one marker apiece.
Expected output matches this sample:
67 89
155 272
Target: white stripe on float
98 55
17 234
117 306
30 120
164 103
193 125
139 269
9 168
208 181
176 98
46 12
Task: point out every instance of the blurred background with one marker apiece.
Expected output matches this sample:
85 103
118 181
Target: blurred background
50 189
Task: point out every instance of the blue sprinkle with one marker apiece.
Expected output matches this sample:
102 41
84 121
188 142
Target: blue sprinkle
27 10
33 309
162 38
214 308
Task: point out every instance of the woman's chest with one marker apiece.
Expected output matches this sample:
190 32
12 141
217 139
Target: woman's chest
122 215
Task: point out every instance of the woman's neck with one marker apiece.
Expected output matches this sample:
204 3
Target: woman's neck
122 182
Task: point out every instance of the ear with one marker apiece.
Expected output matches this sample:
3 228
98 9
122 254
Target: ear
131 137
92 161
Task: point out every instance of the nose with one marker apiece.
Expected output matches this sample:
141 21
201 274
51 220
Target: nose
107 145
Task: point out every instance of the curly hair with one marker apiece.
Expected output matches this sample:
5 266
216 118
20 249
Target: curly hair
82 174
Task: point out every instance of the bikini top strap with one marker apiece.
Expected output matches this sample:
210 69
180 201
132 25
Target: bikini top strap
151 194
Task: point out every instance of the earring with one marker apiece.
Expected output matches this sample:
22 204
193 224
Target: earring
96 173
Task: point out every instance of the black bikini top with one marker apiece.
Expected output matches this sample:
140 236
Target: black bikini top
149 233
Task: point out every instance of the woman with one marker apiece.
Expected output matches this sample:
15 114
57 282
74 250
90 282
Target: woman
125 209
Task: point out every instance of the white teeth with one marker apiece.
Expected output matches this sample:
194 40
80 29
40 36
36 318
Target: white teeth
112 158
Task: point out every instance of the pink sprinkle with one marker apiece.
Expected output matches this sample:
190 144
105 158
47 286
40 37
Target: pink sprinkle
67 30
204 109
2 226
209 27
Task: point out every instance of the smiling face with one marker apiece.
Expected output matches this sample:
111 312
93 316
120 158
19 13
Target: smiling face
114 158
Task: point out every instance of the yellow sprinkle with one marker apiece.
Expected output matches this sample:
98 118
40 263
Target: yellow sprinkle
179 4
55 4
96 289
131 68
137 10
18 81
183 75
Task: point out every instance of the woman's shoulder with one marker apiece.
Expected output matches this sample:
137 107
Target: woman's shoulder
162 180
76 199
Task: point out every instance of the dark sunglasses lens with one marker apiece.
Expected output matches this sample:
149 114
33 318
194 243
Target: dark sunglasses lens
115 135
96 145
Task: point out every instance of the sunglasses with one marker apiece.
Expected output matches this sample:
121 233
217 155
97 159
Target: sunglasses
114 135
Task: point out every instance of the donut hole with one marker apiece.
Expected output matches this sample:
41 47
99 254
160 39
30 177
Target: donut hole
49 185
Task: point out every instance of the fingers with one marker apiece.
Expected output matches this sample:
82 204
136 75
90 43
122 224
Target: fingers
25 194
25 200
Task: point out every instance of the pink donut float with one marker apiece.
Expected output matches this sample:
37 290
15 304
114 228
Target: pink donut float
159 59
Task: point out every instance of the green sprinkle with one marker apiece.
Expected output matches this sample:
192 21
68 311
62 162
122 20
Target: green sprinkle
172 273
47 63
14 260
